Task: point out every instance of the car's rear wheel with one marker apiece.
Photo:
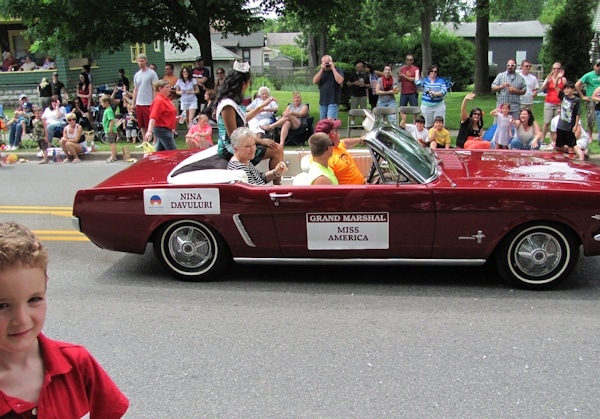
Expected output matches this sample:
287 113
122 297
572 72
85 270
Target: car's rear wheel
191 250
537 256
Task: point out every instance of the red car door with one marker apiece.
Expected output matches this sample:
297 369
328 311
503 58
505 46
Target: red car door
349 221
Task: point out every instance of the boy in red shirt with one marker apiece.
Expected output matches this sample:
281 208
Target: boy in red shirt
40 377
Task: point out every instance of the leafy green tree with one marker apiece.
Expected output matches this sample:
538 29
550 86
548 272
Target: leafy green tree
70 26
298 54
568 39
317 24
515 10
550 10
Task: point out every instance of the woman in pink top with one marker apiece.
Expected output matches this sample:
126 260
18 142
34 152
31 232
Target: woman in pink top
200 135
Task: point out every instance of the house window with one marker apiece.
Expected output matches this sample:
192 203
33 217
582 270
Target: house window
266 58
135 50
246 55
520 56
157 45
18 44
490 57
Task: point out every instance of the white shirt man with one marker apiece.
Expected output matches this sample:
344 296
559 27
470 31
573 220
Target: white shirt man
143 91
531 83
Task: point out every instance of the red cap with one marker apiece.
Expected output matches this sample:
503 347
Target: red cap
327 125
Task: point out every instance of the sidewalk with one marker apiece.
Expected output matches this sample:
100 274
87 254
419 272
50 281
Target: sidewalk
31 155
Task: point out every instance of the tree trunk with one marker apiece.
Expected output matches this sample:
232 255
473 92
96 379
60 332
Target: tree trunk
202 35
313 57
322 43
482 37
426 17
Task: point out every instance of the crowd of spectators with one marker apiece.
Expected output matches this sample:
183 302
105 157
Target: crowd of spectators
195 96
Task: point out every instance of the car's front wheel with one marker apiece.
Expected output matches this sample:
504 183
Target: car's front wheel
191 250
537 256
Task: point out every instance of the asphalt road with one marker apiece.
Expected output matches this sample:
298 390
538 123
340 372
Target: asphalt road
302 341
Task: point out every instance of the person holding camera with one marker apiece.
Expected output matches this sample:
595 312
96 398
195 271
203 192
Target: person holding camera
330 79
432 101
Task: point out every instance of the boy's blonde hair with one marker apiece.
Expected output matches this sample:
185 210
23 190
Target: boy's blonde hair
105 98
19 246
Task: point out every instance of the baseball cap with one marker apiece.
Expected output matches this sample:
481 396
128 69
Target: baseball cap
199 58
22 96
327 125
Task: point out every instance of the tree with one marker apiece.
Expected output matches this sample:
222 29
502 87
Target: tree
482 41
66 27
515 10
569 38
550 10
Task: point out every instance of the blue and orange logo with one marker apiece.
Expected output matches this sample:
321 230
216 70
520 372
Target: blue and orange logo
155 200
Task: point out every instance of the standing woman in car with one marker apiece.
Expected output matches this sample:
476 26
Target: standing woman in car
231 114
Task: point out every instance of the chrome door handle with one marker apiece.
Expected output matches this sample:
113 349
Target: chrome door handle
274 196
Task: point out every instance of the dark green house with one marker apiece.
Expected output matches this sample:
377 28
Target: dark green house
104 66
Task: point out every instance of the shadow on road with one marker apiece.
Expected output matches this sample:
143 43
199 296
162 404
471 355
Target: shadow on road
145 270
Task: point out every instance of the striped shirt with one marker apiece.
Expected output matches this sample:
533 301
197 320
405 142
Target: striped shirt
255 177
438 85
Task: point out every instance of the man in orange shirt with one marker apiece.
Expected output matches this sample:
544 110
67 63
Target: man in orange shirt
341 162
172 79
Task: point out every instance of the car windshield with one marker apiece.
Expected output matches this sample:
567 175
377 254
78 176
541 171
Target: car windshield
418 160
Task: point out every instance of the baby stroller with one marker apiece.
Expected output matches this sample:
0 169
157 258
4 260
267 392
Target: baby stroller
99 133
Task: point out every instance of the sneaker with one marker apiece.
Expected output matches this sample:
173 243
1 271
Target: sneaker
111 160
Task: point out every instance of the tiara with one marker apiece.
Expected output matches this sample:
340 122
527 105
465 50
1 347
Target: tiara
241 67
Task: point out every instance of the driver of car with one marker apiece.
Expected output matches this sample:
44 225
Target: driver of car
341 161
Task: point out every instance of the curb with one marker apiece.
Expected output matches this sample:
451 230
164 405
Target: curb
92 156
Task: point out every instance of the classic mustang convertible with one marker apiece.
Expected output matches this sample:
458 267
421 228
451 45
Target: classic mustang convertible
526 212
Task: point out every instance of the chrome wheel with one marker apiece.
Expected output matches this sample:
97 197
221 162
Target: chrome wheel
190 250
538 256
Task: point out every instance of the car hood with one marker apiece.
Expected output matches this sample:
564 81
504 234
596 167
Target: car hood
517 166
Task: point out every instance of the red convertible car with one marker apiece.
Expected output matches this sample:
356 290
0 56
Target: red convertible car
526 212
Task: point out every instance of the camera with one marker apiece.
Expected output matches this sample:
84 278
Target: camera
328 64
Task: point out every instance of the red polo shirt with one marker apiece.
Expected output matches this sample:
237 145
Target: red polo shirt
163 112
75 385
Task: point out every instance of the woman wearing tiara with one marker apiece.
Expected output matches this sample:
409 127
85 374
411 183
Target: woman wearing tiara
231 114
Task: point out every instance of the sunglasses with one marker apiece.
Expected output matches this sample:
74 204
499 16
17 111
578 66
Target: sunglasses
511 65
433 71
477 114
527 66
